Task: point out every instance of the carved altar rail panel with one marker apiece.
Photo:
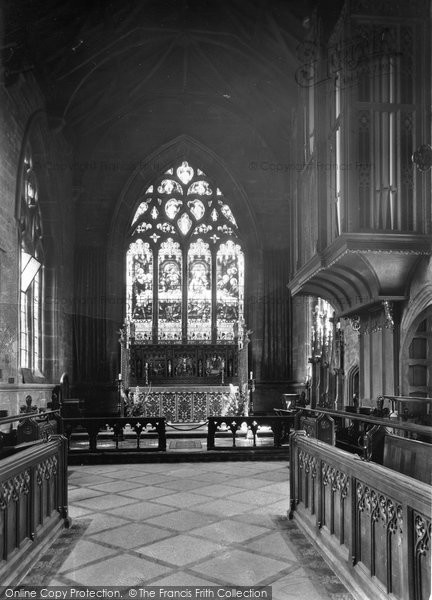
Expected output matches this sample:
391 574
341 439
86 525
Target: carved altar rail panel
280 426
380 536
155 429
93 426
422 554
307 488
375 522
33 501
335 495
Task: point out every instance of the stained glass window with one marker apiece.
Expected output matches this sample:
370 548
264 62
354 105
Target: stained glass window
184 263
229 294
31 299
139 265
197 208
184 223
170 291
199 316
140 211
172 207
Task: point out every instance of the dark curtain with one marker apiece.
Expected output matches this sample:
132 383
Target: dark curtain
275 365
89 322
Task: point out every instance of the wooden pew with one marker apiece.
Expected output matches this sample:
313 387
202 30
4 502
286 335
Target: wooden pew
33 503
409 457
372 523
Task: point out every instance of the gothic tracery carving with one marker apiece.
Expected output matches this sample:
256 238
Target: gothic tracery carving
336 479
379 507
423 534
308 463
13 488
182 205
46 469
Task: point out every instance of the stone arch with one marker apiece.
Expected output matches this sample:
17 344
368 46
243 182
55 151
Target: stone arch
189 149
353 382
419 310
413 314
198 154
38 137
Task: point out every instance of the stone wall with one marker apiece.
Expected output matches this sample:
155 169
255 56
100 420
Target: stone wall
24 120
12 397
300 339
351 356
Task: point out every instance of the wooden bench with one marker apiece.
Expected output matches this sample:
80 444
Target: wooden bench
33 482
409 457
320 427
371 522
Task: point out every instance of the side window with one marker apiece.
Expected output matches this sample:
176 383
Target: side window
31 270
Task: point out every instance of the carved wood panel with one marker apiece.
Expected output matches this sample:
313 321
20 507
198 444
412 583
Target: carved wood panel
377 522
183 364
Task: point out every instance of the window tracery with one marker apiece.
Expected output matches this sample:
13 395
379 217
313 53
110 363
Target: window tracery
31 273
184 262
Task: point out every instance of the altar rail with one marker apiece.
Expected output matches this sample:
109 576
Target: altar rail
280 427
33 503
140 425
100 431
373 524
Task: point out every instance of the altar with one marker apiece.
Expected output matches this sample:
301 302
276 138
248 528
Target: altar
183 382
185 404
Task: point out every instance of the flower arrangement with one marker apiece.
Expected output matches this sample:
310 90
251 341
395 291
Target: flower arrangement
235 403
134 402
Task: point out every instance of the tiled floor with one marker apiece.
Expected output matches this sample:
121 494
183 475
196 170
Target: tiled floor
219 523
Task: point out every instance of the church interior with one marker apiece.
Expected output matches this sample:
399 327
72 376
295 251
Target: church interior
216 296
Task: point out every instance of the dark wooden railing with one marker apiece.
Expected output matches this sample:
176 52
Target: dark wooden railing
414 408
411 429
359 433
373 523
280 427
31 426
105 434
42 416
93 426
33 502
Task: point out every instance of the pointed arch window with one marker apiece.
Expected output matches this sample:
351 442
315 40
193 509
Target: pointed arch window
31 270
184 262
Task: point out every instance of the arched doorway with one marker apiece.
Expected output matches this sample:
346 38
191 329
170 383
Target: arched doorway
416 357
353 385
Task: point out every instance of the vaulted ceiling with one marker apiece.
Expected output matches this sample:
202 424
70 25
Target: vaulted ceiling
99 60
125 78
